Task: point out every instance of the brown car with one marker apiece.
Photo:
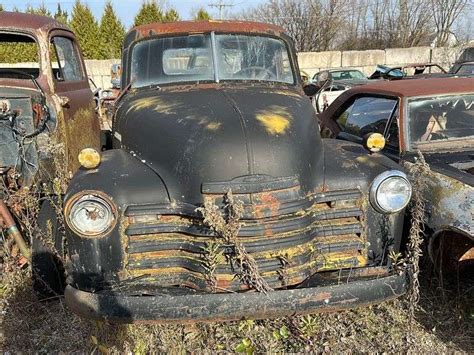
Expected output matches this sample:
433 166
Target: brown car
432 116
47 112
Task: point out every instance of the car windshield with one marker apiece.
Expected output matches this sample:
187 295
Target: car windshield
441 121
347 75
190 58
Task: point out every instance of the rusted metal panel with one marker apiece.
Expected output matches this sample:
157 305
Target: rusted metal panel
234 306
204 27
34 24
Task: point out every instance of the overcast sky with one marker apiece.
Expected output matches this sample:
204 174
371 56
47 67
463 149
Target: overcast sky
126 9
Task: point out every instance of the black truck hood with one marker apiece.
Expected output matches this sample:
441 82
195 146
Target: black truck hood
195 136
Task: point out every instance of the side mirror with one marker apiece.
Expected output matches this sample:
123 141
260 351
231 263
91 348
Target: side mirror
115 75
323 80
310 89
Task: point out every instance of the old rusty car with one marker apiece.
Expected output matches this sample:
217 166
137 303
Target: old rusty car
431 116
46 118
220 200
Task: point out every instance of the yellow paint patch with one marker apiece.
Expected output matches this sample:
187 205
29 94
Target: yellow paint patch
275 119
158 105
213 126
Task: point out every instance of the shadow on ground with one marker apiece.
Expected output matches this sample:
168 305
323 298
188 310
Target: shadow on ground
446 306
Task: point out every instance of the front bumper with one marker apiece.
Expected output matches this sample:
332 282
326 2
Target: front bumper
118 308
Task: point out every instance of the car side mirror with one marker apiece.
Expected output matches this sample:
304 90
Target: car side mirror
115 75
310 89
323 80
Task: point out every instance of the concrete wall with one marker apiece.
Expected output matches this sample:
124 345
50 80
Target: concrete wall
312 62
99 71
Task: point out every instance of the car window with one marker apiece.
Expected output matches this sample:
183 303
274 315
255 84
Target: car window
18 56
367 115
242 57
466 69
66 63
392 133
438 120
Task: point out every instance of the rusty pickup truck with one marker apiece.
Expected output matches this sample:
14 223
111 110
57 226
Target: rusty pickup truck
46 118
219 199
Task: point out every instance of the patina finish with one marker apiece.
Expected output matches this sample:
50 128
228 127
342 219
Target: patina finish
179 146
450 184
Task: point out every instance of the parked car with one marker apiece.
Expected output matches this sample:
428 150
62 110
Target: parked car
435 119
408 71
343 75
466 68
212 122
46 111
467 55
341 80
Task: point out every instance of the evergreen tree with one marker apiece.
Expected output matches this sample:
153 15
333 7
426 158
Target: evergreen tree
112 33
150 12
171 16
86 29
202 15
1 7
41 10
61 15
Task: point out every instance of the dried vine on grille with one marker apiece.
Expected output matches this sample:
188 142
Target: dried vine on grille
418 173
227 226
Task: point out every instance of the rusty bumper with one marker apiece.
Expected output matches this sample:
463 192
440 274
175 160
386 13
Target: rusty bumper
118 308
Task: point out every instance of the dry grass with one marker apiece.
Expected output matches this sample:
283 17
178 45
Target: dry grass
442 324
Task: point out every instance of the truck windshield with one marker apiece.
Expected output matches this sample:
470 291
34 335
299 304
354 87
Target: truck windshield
442 121
191 59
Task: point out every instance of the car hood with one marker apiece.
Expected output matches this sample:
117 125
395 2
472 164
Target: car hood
201 135
456 165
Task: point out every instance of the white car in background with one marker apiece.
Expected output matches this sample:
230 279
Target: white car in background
342 80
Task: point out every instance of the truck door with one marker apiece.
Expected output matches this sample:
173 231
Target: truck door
78 122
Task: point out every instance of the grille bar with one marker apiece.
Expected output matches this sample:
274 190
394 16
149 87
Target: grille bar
289 237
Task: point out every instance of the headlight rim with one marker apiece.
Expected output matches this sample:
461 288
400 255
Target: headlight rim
377 182
98 194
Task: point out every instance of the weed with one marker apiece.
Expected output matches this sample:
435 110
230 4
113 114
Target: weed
418 173
227 227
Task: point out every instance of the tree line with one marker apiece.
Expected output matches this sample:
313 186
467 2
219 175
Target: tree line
315 25
322 25
98 39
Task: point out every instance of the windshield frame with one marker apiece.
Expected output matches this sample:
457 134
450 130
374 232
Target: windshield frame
435 145
212 35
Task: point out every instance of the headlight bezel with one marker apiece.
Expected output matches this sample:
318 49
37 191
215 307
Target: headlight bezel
95 196
376 184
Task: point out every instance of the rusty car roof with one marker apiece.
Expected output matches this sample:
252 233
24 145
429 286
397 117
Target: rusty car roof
206 26
28 22
416 87
399 88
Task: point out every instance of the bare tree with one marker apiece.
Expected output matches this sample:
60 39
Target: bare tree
313 24
321 25
445 13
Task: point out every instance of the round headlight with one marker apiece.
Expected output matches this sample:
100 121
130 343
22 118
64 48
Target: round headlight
90 214
390 192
